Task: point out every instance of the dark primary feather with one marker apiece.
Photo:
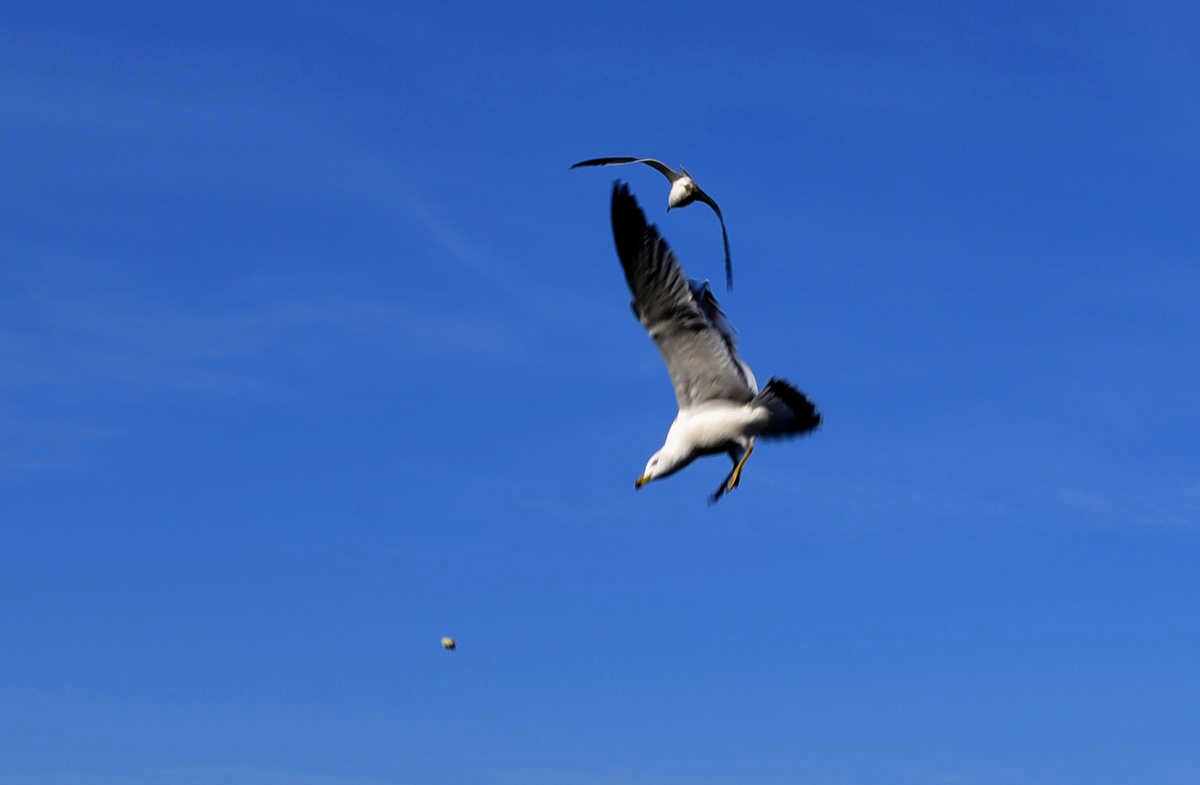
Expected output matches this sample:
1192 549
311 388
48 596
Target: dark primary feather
700 359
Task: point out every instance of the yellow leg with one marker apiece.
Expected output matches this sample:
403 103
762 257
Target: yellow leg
735 476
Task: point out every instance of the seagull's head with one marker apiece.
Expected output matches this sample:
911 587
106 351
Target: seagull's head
662 464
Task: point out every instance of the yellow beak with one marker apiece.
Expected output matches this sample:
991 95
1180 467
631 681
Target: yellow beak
640 481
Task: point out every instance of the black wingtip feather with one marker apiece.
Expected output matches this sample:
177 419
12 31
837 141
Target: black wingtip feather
628 221
631 230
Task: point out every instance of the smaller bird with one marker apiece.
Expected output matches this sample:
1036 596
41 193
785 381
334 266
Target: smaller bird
449 644
684 191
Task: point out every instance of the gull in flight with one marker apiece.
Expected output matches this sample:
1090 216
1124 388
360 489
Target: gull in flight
721 409
684 191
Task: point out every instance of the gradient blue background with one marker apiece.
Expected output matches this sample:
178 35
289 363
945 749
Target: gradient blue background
312 351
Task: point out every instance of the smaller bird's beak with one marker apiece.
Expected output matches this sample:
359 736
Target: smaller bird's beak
640 481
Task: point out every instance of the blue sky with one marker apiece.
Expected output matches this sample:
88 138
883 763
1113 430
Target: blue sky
314 351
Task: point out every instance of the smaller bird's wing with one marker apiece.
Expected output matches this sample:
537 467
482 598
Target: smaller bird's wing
701 196
617 160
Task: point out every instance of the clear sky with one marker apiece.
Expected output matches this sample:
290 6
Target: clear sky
312 351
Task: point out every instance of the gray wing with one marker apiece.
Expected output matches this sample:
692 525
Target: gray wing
703 295
617 160
701 196
700 359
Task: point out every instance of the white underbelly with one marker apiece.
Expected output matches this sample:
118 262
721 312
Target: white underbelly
712 427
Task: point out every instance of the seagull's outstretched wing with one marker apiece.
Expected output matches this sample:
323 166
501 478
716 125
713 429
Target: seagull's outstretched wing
617 160
701 196
700 358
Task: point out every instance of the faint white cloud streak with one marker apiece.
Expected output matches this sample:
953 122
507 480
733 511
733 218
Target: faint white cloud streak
1162 507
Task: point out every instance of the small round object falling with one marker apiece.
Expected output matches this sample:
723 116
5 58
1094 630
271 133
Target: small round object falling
449 644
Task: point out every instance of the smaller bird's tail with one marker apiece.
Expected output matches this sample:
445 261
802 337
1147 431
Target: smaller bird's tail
789 411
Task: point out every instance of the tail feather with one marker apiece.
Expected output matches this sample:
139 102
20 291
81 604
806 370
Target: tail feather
789 411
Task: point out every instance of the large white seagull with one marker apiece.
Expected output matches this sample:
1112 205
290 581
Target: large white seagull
721 409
